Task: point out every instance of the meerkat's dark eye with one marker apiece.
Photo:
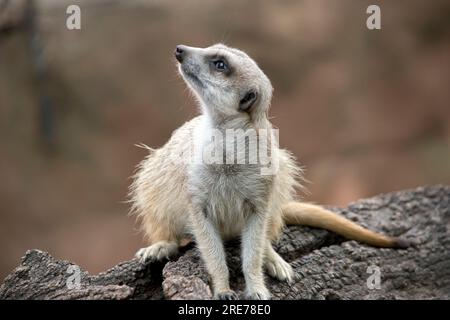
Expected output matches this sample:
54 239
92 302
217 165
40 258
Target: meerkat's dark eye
220 65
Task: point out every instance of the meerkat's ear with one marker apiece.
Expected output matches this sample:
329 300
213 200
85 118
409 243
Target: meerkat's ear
248 100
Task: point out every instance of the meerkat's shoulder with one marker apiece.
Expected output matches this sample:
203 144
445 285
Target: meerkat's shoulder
189 125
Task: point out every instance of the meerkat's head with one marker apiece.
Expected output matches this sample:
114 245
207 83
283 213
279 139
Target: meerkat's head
226 81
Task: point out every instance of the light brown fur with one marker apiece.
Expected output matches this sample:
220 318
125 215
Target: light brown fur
175 199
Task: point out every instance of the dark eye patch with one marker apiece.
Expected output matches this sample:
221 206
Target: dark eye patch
219 63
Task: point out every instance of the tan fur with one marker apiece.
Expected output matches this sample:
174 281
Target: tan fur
159 191
306 214
170 196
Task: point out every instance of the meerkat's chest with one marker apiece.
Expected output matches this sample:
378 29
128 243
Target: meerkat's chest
228 195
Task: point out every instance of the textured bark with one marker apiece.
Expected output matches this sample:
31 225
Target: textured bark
327 266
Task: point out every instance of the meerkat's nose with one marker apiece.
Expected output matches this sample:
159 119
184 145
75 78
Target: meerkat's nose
180 53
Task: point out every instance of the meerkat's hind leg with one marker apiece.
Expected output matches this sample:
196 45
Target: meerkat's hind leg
276 266
158 251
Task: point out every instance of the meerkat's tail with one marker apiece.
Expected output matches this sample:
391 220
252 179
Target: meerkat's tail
297 213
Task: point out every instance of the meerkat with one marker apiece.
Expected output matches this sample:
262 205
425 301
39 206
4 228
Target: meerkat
214 202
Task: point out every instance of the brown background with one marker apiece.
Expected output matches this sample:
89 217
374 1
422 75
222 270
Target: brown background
364 111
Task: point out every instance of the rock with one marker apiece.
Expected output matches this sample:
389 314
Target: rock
327 266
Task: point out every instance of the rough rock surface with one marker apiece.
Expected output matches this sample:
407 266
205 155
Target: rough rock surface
327 266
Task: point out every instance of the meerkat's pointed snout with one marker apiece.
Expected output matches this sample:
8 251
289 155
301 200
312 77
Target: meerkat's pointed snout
180 52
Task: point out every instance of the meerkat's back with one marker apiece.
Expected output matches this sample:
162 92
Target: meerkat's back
158 193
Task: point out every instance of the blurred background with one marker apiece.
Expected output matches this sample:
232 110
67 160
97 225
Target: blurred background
365 112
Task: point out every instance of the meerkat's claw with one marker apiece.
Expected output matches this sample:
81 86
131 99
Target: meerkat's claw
280 269
258 294
227 295
157 252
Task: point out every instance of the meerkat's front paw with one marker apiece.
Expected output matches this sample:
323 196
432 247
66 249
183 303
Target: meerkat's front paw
226 295
279 269
158 251
260 293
